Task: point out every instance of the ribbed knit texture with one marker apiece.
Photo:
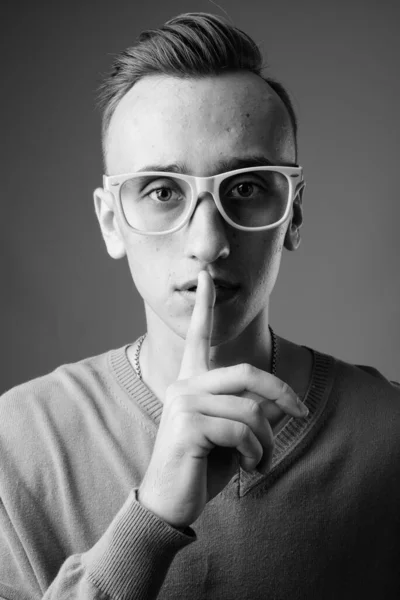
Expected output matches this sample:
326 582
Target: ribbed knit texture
287 438
323 523
111 562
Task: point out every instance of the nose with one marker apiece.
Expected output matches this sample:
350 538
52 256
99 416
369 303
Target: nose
206 237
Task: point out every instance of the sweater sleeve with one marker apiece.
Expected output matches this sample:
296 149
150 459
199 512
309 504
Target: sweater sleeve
130 560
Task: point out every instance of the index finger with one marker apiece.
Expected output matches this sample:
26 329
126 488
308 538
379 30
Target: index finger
196 354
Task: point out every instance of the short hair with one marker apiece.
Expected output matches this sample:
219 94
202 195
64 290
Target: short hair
191 45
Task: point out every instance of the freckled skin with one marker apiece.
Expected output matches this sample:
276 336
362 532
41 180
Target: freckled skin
199 122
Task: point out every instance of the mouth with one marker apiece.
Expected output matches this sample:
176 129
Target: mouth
217 287
224 292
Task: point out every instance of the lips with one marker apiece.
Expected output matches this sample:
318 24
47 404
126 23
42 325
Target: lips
225 291
218 283
217 287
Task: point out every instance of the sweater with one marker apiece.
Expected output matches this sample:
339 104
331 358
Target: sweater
324 523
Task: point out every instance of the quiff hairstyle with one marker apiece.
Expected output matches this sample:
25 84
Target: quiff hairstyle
191 45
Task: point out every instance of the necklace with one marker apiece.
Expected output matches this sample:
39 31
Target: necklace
274 358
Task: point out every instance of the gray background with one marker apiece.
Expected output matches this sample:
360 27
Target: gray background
63 298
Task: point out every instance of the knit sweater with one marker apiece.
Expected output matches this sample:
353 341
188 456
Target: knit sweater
324 523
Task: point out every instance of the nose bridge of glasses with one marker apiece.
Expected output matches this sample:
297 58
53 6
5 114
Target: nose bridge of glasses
204 186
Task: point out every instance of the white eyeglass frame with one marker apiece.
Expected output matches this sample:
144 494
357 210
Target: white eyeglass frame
200 185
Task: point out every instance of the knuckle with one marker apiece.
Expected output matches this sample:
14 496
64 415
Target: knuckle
174 390
255 409
175 399
178 404
182 409
182 422
247 371
284 388
287 390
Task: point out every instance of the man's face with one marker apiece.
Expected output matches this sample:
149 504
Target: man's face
199 124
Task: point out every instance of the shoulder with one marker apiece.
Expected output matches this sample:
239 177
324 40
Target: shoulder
64 378
49 425
366 380
54 400
364 405
352 379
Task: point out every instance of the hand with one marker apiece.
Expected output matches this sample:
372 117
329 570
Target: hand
208 424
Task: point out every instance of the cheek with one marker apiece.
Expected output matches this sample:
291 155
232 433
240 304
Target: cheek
152 267
146 261
263 262
258 253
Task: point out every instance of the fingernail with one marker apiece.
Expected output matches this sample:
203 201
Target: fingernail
302 408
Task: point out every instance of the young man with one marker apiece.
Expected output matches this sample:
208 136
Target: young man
210 458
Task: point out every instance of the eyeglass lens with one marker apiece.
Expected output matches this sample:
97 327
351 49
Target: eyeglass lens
159 203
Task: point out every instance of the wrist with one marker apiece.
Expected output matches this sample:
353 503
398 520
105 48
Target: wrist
181 527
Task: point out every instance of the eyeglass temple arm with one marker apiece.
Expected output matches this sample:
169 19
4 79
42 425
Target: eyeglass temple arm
299 186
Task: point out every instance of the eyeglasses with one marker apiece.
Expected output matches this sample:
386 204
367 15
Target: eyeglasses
250 199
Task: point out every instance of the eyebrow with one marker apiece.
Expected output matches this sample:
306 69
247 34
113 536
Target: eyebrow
220 167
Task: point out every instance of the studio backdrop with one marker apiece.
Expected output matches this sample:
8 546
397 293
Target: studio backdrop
63 298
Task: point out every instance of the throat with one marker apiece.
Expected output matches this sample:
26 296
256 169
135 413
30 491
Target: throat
157 372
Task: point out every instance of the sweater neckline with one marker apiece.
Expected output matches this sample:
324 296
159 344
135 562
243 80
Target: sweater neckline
293 434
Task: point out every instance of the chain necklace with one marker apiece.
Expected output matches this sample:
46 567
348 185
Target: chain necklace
274 359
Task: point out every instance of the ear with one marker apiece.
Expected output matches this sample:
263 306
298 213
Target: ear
292 237
105 210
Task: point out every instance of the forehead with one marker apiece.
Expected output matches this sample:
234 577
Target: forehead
198 122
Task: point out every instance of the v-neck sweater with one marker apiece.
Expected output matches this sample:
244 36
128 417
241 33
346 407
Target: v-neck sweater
324 522
286 439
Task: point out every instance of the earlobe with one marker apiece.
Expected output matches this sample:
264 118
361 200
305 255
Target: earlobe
292 236
108 221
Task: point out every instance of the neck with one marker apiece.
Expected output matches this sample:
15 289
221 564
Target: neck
162 350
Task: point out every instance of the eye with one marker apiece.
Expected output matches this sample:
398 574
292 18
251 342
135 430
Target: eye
245 189
162 194
163 191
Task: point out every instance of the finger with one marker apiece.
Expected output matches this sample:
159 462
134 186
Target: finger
196 353
233 408
241 378
215 431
